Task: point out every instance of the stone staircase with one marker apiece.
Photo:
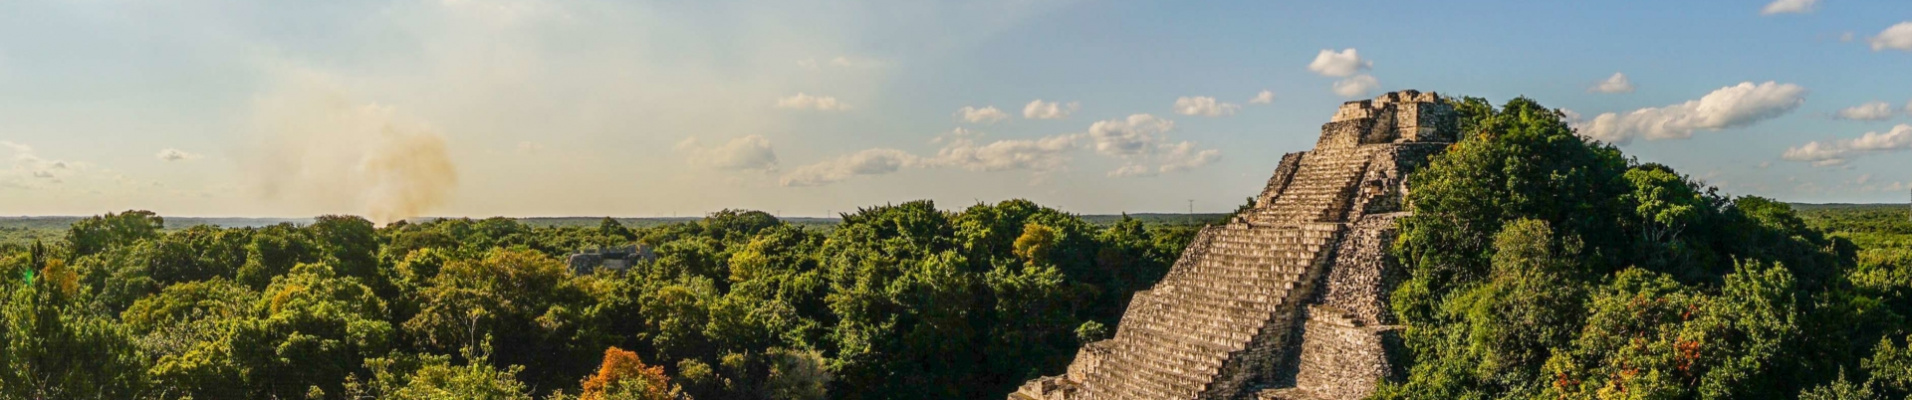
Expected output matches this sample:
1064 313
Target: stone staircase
1321 190
1189 324
1286 301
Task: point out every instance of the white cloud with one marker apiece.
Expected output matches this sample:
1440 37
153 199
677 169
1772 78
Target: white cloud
1618 83
1184 156
1341 64
527 147
1177 158
1204 106
1873 111
18 149
1264 97
171 154
748 153
1847 37
1139 141
1789 7
959 133
1130 171
1571 116
1356 86
1897 37
1039 109
1142 138
1729 107
804 101
1039 155
985 115
25 169
1840 151
866 162
1129 137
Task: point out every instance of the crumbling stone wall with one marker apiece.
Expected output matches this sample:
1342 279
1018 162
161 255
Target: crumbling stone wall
1287 301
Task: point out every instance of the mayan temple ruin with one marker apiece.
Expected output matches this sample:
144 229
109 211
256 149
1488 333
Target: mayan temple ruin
1286 301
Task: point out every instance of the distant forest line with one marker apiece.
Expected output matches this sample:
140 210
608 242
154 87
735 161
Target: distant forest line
21 229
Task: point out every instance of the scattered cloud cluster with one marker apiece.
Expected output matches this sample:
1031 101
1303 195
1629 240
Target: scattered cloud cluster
1873 111
748 153
866 162
171 154
1789 7
805 101
1039 155
25 169
1204 106
1348 65
1837 152
985 115
1128 137
1140 141
1356 86
1618 83
1176 158
1039 109
1341 64
1897 37
1730 107
1264 97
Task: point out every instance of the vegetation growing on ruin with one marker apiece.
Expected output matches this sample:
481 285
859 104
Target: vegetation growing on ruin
1541 265
892 302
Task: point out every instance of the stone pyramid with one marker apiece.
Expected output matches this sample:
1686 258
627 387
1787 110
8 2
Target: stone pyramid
1286 301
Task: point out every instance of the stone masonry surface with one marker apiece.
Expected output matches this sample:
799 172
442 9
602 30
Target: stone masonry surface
1288 300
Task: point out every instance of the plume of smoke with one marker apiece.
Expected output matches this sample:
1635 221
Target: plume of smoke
320 150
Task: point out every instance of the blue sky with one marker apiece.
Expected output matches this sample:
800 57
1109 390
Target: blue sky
575 107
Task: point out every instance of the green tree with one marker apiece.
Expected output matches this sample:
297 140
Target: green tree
520 297
273 251
98 233
434 377
315 328
350 244
55 348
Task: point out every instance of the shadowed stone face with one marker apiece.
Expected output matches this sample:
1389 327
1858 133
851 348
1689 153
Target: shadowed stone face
1287 301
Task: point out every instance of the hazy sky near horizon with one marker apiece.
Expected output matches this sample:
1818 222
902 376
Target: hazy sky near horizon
637 108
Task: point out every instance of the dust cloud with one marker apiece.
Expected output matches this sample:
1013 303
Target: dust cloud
320 151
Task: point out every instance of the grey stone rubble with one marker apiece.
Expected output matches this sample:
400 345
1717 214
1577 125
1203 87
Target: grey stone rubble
1286 301
615 258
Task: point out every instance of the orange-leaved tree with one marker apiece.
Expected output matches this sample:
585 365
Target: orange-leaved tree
624 377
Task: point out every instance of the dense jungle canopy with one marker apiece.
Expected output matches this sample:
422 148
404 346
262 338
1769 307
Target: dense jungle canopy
1537 264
